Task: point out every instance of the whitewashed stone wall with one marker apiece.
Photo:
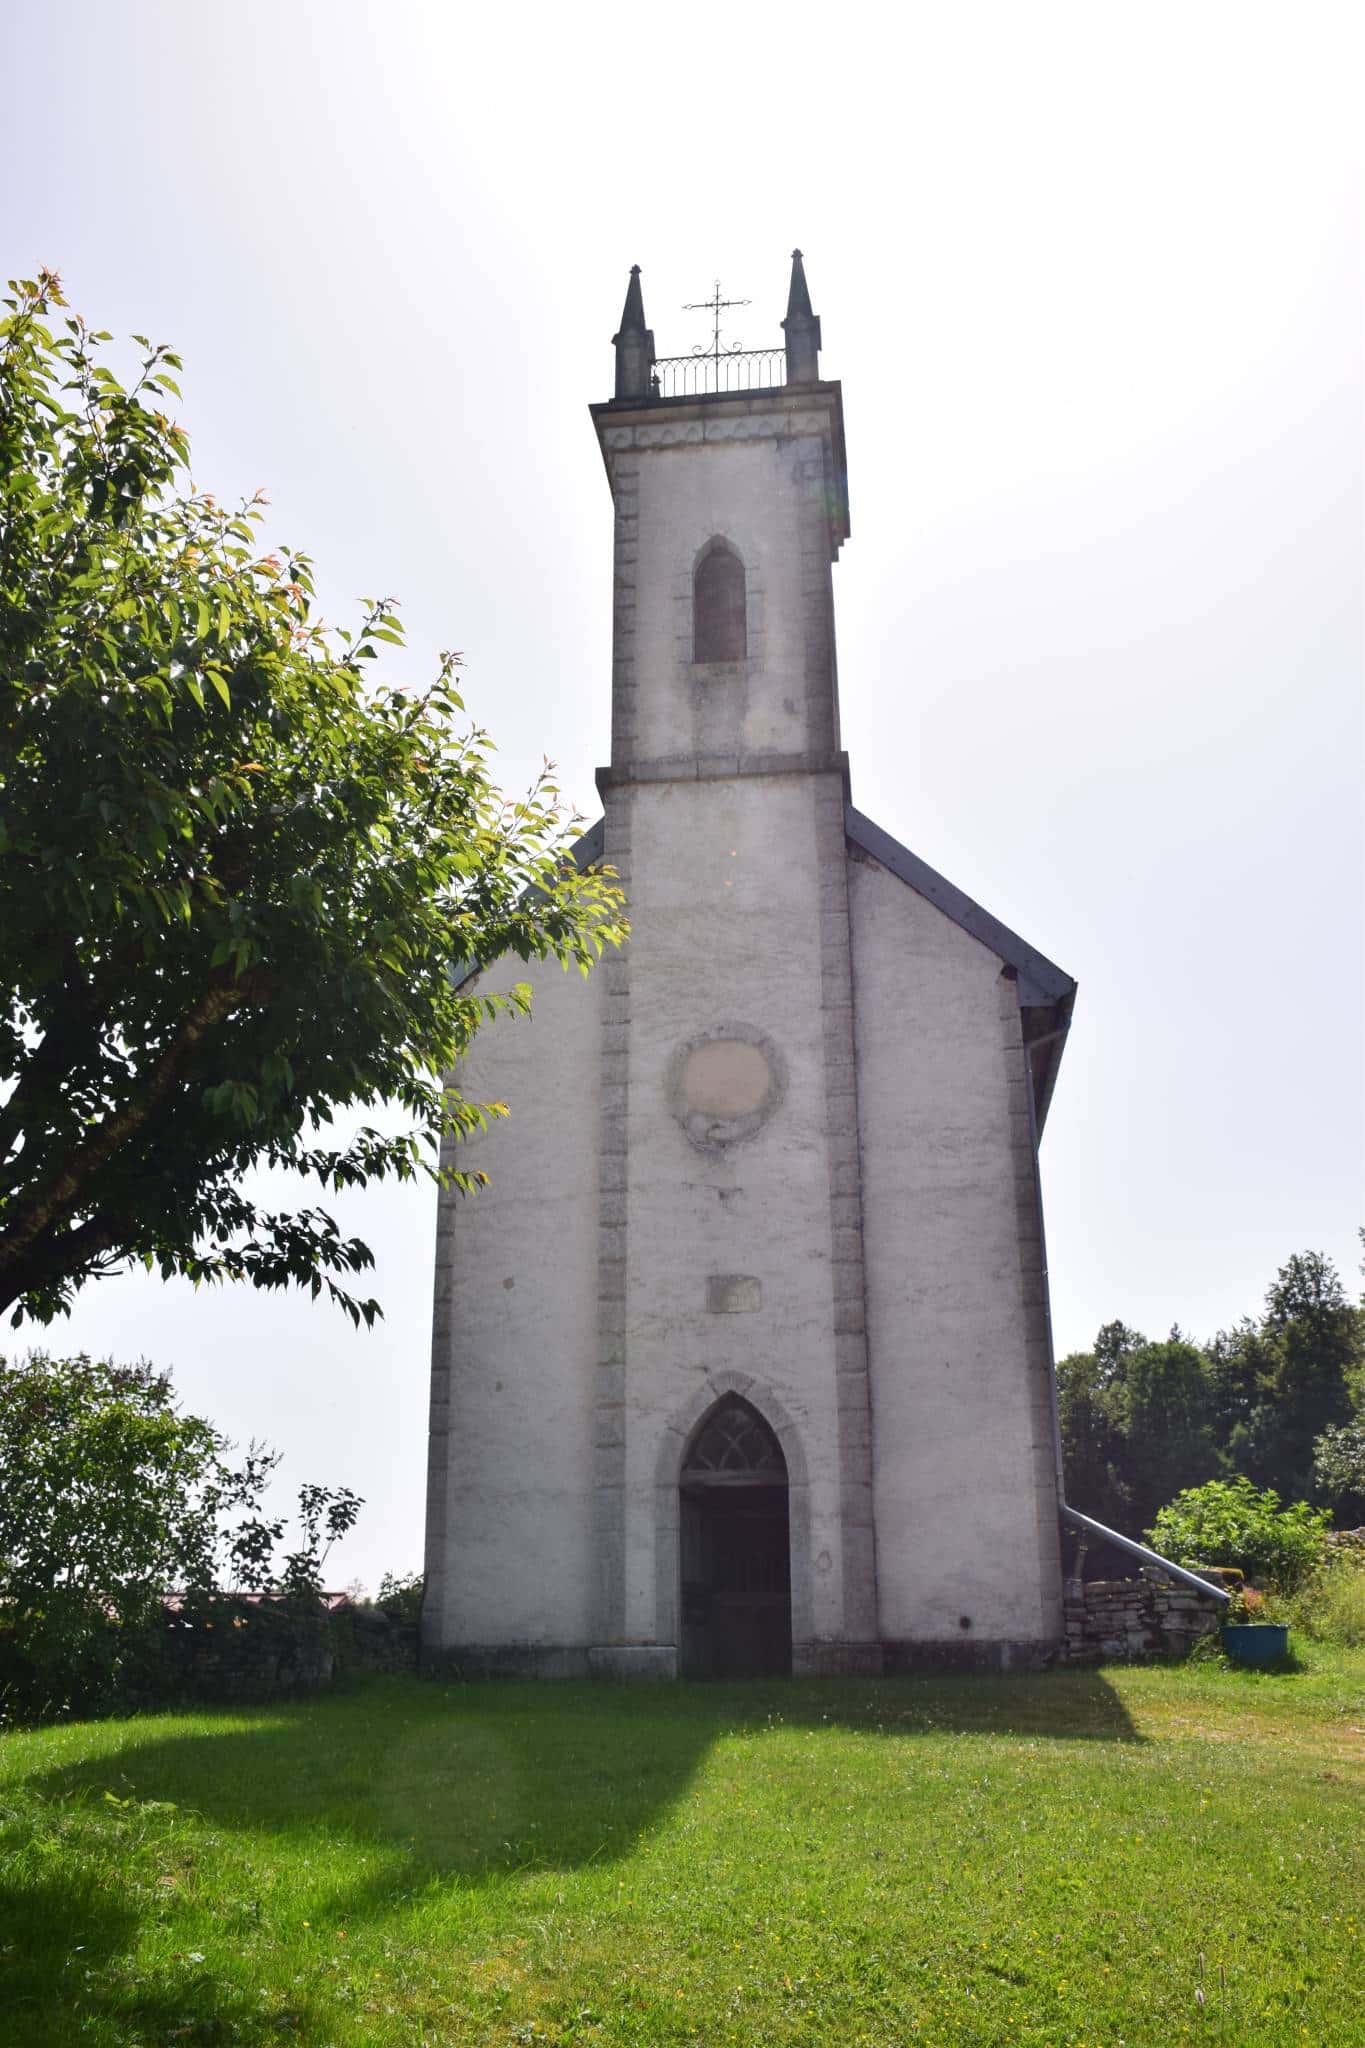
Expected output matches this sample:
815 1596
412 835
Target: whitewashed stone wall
726 880
965 1478
861 1260
758 473
509 1537
730 1269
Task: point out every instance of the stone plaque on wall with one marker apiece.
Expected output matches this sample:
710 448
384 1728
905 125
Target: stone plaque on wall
732 1294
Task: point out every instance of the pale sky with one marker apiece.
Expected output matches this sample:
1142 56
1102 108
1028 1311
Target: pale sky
1092 279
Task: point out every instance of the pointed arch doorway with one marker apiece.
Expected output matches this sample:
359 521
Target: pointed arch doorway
735 1547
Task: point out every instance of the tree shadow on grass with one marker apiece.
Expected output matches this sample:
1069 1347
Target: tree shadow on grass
67 1944
425 1782
472 1780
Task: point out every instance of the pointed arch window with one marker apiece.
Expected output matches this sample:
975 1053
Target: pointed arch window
718 623
734 1444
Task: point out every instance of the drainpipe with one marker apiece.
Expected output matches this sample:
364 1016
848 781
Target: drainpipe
1140 1550
1042 1247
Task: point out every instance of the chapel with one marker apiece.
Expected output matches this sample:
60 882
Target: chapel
741 1361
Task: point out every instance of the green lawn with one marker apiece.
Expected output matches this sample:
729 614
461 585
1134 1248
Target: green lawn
1071 1858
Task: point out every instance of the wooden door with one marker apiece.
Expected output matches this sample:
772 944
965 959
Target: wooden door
736 1581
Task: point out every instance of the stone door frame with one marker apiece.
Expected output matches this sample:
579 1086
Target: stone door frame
677 1435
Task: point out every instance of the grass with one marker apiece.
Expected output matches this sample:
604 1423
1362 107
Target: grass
1134 1856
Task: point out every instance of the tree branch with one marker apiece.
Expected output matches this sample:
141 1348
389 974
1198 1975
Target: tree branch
60 1257
48 1204
53 1059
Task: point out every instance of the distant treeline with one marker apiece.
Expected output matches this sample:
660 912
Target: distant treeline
1279 1400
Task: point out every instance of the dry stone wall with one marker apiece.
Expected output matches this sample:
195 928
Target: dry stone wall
231 1649
1129 1619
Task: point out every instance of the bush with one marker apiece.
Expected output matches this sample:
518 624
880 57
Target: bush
102 1506
1330 1607
1230 1522
400 1595
110 1497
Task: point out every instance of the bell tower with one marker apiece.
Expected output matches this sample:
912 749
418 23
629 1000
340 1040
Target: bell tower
706 469
730 1238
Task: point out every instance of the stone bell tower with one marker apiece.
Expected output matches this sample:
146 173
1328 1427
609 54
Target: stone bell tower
741 1361
731 1228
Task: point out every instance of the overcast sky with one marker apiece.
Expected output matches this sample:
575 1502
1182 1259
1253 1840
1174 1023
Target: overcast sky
1092 279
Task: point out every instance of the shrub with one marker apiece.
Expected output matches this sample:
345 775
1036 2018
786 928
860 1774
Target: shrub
1231 1522
400 1595
1330 1606
102 1485
110 1497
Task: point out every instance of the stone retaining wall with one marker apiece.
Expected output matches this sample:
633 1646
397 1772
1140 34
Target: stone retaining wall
1151 1616
234 1649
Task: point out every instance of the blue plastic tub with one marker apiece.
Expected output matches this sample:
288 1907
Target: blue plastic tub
1256 1642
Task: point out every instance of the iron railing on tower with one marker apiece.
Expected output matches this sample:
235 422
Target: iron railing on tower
714 373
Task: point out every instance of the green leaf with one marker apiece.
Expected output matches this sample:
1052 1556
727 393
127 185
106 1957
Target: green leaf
319 854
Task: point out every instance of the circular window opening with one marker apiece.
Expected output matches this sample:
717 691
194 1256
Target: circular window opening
725 1084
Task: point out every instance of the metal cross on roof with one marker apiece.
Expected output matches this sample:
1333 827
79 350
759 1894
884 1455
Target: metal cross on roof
715 305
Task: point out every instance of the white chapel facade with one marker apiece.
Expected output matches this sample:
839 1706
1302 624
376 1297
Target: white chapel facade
741 1361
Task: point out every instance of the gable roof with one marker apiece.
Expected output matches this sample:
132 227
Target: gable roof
1046 993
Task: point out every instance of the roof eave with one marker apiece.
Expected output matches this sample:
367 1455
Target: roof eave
1047 994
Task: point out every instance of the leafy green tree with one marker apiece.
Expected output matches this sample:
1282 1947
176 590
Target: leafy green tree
1315 1342
325 1515
1276 1403
1090 1418
234 872
1230 1522
1115 1344
1339 1471
1279 1383
1239 1387
1167 1423
1136 1421
110 1497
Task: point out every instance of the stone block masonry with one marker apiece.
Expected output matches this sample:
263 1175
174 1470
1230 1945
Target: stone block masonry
777 1155
1128 1619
